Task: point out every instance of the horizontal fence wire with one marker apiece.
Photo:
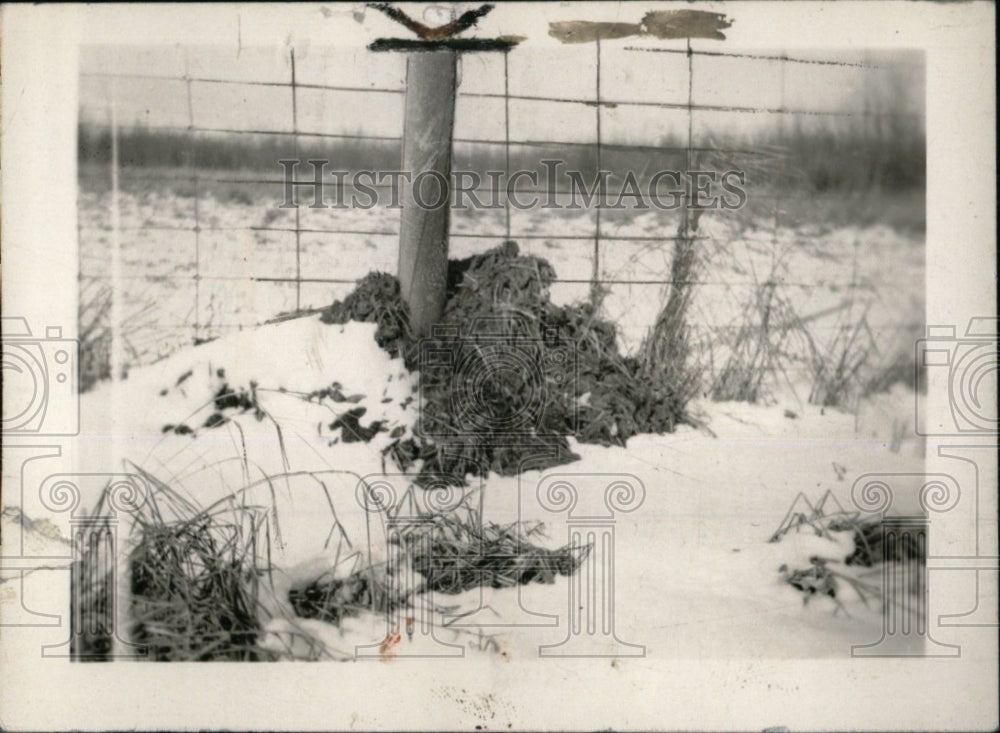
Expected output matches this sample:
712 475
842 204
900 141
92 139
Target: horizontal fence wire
590 243
565 281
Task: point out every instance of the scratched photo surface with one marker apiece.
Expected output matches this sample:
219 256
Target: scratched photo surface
502 342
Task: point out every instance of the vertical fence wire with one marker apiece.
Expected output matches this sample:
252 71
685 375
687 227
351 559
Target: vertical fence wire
685 211
193 171
774 275
781 154
506 134
116 356
595 286
298 223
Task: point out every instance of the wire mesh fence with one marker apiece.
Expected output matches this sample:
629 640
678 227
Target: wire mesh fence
206 246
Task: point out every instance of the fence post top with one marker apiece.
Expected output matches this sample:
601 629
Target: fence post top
440 38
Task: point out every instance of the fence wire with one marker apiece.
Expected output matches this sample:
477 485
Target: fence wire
591 266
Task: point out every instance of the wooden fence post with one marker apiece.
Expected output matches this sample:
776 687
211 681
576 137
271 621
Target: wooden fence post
426 198
428 124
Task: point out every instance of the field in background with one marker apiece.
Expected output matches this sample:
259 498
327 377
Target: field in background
817 159
831 264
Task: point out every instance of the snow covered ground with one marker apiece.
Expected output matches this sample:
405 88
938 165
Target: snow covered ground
695 576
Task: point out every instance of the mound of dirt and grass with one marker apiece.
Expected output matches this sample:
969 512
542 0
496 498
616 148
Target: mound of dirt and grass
507 375
452 556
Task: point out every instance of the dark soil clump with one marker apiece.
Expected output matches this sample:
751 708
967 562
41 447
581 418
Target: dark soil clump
376 299
507 375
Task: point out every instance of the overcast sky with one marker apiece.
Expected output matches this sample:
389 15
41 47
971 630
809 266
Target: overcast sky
540 66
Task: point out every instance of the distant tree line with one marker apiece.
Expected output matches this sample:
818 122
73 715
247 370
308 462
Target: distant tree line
882 153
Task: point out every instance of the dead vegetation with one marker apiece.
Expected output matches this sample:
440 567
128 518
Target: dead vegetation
459 555
508 375
667 354
835 351
196 577
201 585
825 576
452 554
757 348
94 335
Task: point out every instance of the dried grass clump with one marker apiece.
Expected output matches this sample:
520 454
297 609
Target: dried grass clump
869 544
95 334
829 516
195 580
757 348
826 516
667 359
94 318
838 367
454 553
334 600
461 556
